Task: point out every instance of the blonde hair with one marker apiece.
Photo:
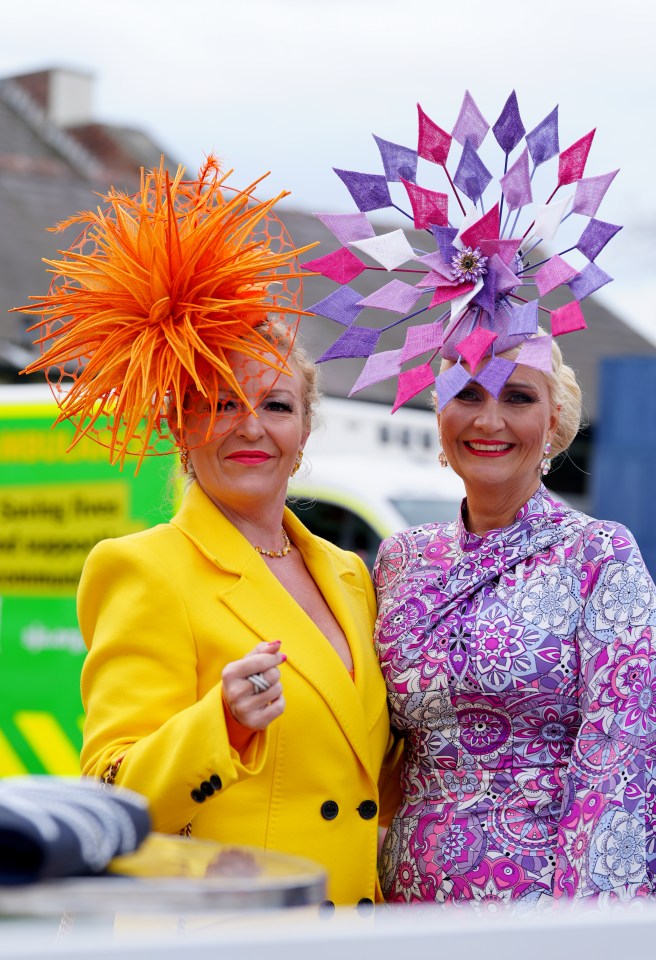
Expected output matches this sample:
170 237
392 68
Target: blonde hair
564 393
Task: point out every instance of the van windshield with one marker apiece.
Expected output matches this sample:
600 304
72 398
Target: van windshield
417 511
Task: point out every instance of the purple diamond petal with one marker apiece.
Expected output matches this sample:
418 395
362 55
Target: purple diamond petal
516 184
449 383
354 342
379 366
472 176
369 190
595 237
342 306
590 279
590 192
494 375
444 237
471 124
399 162
542 141
509 129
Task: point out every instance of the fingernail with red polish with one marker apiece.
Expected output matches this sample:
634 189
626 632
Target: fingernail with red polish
283 657
273 643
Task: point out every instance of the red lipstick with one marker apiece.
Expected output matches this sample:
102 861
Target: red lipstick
488 448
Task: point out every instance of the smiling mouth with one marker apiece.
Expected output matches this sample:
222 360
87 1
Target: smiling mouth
486 448
245 456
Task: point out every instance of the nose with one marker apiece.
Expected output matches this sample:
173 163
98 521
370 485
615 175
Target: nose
250 427
490 416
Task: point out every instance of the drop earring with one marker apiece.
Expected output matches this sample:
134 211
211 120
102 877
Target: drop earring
545 463
297 463
184 459
442 460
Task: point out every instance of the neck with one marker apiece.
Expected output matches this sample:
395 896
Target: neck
491 509
260 523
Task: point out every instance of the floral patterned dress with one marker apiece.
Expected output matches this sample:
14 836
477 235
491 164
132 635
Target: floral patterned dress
521 671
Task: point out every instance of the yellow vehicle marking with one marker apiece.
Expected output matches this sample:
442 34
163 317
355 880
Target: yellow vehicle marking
50 744
10 763
340 499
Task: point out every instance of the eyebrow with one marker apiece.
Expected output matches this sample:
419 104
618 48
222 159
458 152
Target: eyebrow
518 385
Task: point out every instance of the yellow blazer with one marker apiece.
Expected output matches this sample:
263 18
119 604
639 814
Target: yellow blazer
161 612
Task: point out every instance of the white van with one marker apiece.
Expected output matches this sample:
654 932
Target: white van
368 473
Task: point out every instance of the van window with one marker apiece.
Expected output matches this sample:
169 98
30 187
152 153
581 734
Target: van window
417 511
339 525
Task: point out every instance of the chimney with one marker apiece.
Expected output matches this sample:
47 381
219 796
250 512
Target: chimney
64 95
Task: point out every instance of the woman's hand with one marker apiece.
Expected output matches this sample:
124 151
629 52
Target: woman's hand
248 707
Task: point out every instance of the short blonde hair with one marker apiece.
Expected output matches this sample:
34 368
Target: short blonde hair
564 393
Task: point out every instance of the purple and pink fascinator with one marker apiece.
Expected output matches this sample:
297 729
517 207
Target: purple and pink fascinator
493 253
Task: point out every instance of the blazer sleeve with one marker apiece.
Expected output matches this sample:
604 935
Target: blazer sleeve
606 831
139 687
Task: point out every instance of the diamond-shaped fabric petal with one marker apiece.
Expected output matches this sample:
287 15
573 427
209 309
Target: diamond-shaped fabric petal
444 237
487 228
428 207
571 162
466 296
494 375
590 279
449 383
567 318
505 279
471 125
379 366
554 272
420 339
547 219
412 382
400 163
516 184
595 237
509 129
341 265
452 291
505 249
369 190
472 176
536 353
524 318
475 345
434 143
354 342
347 226
342 306
590 192
542 141
390 250
395 295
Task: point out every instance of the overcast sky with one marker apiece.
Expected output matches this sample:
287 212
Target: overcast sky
299 86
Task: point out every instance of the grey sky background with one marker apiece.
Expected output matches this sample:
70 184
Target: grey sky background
299 86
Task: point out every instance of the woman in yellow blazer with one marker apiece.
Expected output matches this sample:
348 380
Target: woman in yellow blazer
178 617
230 677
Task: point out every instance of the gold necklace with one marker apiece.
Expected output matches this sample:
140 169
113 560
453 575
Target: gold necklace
277 554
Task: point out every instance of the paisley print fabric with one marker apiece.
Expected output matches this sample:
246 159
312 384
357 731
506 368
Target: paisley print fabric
521 671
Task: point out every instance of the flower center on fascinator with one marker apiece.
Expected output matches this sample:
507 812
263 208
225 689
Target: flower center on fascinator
468 266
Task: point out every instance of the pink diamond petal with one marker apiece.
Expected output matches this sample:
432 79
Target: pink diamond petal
536 353
412 382
505 249
395 295
341 265
434 143
487 228
552 274
571 162
567 318
420 339
379 366
347 226
447 292
428 207
475 345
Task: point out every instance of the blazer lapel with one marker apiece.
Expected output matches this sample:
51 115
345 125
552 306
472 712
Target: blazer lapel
260 601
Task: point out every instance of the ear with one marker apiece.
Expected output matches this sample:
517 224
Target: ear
554 420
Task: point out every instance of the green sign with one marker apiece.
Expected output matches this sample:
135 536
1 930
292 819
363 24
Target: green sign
54 506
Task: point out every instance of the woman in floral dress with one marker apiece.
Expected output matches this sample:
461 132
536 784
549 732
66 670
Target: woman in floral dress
517 644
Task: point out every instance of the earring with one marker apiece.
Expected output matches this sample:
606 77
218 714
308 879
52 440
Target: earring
297 463
442 459
184 459
545 463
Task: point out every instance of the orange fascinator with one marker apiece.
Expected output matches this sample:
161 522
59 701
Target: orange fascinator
147 302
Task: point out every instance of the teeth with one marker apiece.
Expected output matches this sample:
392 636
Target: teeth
489 447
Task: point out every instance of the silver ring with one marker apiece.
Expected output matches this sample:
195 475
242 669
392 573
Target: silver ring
259 682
